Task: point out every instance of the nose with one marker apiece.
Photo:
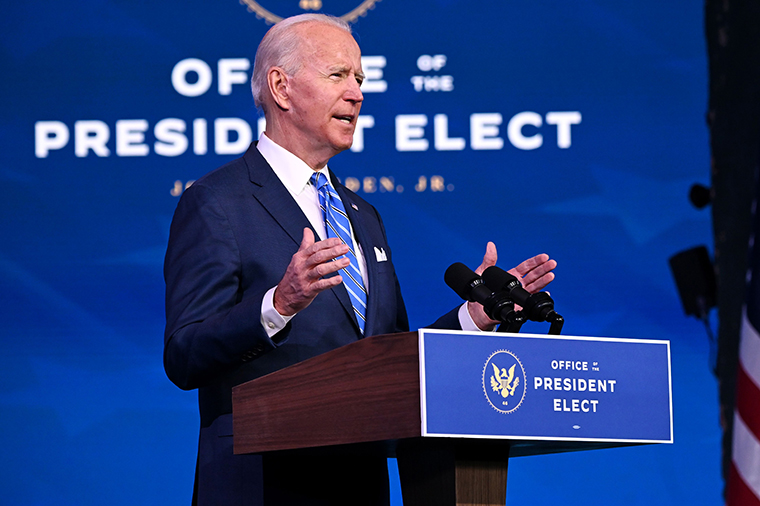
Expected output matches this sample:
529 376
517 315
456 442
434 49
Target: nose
353 92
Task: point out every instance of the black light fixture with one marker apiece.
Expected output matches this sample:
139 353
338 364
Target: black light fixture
695 278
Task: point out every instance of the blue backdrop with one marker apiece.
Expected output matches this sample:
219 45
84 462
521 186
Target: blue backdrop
572 128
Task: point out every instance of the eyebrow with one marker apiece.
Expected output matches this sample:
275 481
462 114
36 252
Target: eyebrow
343 69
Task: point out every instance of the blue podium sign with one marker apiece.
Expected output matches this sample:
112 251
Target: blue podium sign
537 387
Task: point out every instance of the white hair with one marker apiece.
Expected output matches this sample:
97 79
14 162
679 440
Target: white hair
279 48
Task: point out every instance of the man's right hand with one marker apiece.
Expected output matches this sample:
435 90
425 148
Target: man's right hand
304 278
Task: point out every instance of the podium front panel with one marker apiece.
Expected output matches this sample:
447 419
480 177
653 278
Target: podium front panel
538 387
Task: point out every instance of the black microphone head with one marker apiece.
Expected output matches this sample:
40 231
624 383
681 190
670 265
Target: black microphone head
498 279
460 278
471 287
536 306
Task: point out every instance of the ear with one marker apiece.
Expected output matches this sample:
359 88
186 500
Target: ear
278 84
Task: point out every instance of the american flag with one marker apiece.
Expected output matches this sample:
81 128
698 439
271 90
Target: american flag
743 488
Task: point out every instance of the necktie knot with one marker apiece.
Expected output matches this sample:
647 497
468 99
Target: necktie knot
318 180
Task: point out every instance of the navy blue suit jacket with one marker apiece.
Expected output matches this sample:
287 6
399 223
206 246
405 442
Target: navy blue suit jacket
232 237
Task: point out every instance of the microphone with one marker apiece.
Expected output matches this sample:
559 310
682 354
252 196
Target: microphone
471 287
538 307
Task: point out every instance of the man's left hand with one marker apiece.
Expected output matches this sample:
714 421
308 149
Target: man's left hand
534 274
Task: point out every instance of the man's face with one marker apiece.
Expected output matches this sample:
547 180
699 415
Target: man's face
325 98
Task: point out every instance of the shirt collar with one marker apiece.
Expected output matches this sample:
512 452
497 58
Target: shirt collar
292 171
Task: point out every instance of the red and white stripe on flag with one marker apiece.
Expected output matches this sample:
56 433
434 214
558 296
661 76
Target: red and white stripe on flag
744 479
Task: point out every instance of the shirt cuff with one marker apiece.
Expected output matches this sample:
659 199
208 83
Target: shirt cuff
271 320
465 320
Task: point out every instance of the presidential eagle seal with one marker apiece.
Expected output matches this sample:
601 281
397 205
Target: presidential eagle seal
504 381
348 10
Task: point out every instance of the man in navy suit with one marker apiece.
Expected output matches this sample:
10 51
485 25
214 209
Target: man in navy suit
255 285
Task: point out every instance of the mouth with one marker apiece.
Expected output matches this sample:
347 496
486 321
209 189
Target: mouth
348 119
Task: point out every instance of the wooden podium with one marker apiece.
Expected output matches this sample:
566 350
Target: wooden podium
366 397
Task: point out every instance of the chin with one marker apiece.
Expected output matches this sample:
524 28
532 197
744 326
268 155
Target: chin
343 144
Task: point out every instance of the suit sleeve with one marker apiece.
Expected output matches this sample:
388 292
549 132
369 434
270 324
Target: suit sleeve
449 321
211 327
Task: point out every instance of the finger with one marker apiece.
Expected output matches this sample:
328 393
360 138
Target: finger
323 255
322 245
531 263
326 283
539 271
327 268
489 259
540 283
308 239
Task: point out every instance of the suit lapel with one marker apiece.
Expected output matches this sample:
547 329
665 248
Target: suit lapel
274 197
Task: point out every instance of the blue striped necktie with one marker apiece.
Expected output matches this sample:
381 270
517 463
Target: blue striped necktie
337 225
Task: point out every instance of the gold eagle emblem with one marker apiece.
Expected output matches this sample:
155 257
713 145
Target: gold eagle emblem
306 5
504 381
505 388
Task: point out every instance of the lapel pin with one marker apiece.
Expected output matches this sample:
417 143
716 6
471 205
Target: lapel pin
354 206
